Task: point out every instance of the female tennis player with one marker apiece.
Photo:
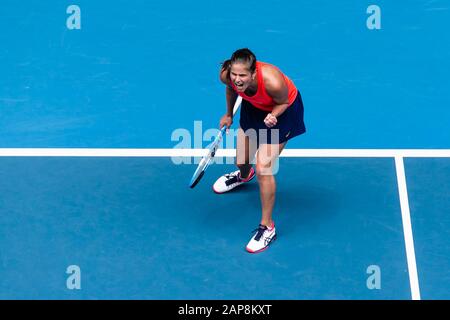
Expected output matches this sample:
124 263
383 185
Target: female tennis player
271 114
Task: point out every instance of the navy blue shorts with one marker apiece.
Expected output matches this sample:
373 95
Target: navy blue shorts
289 124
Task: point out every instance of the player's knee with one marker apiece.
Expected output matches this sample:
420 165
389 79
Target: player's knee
263 169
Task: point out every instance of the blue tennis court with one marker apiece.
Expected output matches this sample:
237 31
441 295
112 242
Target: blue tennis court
102 122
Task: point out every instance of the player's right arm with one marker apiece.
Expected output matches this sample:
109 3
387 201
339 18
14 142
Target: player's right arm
231 96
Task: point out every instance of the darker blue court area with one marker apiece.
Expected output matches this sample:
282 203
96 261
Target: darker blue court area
428 181
137 231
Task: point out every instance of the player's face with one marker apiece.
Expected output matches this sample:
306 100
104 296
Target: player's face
241 76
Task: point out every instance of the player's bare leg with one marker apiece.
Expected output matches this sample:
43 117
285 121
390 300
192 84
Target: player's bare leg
245 152
266 159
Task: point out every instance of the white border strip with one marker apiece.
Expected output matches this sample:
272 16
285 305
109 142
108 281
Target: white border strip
125 152
407 228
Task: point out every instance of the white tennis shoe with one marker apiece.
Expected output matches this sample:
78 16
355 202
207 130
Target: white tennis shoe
262 239
231 180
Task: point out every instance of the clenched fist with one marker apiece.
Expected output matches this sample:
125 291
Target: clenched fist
270 120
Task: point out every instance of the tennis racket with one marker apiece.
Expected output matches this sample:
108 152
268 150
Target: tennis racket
207 158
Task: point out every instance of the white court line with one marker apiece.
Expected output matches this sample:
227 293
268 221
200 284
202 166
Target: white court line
172 152
407 228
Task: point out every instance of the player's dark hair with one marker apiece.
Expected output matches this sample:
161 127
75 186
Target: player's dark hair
242 56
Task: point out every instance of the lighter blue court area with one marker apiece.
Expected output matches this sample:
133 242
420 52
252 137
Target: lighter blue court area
139 74
137 70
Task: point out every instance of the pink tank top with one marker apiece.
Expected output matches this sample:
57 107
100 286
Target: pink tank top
261 99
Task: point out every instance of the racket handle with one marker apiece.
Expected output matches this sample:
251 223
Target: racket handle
237 104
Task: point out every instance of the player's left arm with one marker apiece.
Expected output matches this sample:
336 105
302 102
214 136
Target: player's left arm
276 88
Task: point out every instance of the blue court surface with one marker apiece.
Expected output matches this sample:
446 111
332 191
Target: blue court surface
91 120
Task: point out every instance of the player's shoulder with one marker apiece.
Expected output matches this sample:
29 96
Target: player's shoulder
272 76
